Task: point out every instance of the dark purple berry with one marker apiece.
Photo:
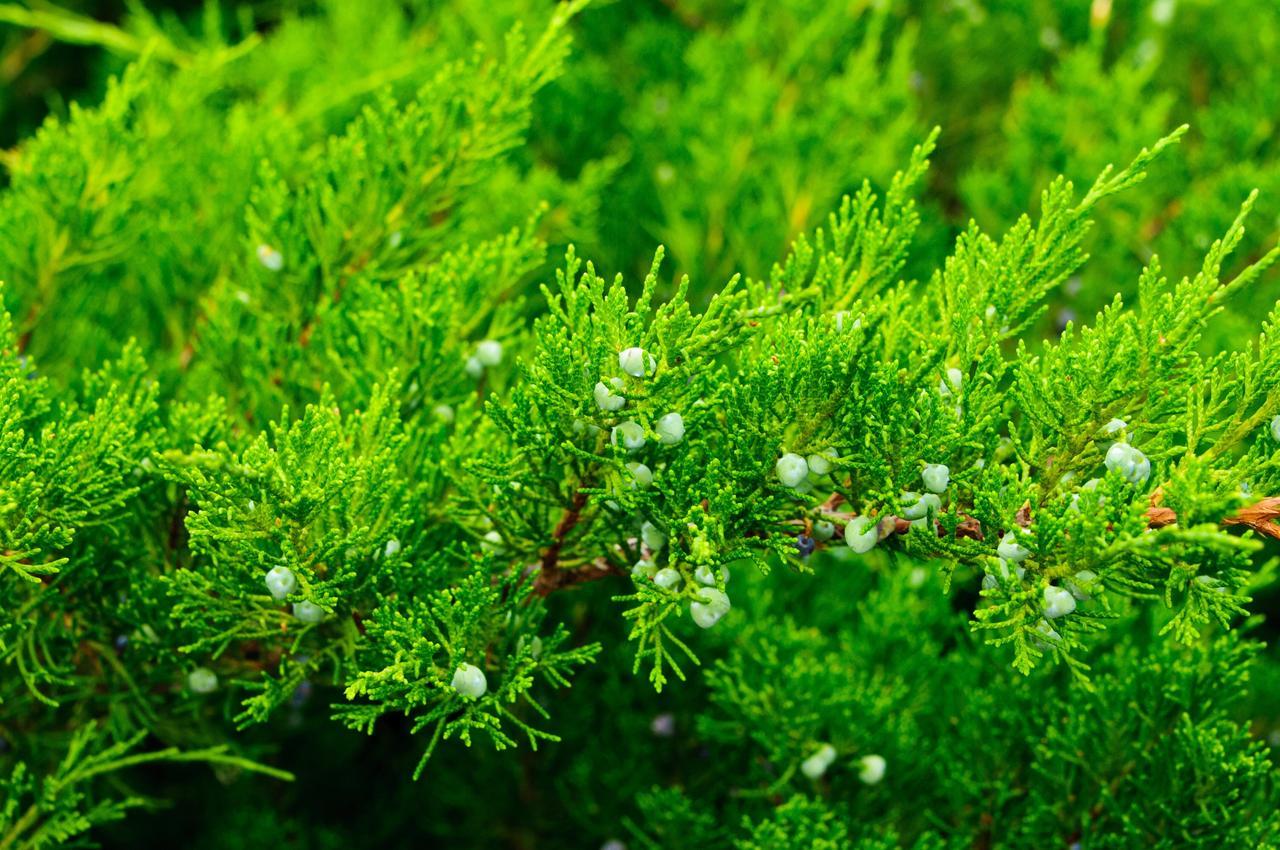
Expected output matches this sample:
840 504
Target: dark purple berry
301 694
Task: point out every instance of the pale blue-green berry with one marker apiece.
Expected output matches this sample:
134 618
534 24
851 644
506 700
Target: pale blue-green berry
705 575
629 435
1010 549
652 536
642 474
535 646
443 412
308 611
643 569
791 469
1081 584
1001 574
917 507
1275 427
822 462
991 580
711 604
951 383
1211 583
1132 464
492 542
670 429
861 534
392 548
936 477
202 680
636 362
823 530
474 368
613 843
581 427
1058 602
395 238
815 765
667 578
281 582
469 681
663 725
271 259
1002 565
1141 469
841 315
489 352
1090 486
606 398
917 577
1115 425
1048 633
871 769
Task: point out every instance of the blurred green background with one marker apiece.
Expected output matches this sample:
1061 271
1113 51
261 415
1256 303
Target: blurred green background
723 129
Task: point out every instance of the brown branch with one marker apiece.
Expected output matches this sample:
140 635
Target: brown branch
1261 516
572 514
178 527
551 576
559 579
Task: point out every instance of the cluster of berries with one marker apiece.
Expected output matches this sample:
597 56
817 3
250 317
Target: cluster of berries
870 767
488 353
709 603
861 533
281 582
630 435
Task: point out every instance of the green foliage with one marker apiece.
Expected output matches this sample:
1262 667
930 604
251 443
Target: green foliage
56 810
933 496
